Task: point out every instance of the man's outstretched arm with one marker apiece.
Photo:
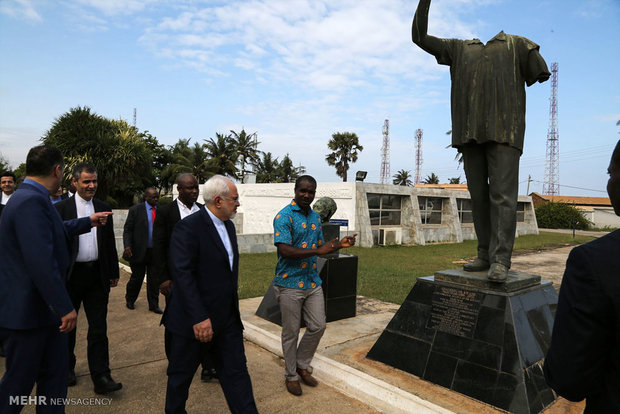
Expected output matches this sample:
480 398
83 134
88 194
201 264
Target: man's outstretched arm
419 30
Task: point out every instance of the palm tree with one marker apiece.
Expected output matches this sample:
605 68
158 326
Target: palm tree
402 177
223 155
345 146
288 172
267 169
455 180
186 159
246 147
431 179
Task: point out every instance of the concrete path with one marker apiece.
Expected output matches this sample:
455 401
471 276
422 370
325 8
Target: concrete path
349 383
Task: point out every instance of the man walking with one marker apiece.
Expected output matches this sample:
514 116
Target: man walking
167 218
94 272
138 243
204 306
35 309
7 185
299 238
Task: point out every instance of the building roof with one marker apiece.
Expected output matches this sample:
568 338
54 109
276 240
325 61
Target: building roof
461 187
576 200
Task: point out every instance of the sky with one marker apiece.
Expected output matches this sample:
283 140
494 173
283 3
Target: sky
297 71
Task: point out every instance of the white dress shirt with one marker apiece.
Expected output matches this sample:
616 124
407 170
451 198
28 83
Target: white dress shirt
87 245
5 197
184 211
221 230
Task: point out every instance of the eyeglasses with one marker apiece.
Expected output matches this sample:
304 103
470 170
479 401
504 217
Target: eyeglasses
234 199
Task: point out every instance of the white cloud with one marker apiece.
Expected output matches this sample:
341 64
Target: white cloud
20 9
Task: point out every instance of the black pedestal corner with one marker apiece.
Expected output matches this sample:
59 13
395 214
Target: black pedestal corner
339 282
484 340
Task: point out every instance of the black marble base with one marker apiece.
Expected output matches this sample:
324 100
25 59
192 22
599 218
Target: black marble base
339 282
477 338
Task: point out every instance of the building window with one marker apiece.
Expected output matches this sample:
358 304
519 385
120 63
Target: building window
430 209
464 207
384 209
521 212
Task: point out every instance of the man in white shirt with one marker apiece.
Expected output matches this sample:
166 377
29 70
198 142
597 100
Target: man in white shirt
94 272
7 184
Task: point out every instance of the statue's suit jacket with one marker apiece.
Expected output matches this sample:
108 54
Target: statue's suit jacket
584 358
165 220
35 260
204 285
106 244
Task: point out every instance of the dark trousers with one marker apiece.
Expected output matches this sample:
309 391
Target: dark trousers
230 363
137 277
86 287
492 172
206 359
34 356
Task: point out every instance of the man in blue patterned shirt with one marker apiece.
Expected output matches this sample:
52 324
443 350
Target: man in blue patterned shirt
299 239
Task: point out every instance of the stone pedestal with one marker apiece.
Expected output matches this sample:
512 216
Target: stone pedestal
339 281
478 338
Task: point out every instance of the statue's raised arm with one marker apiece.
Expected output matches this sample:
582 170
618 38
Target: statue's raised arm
419 30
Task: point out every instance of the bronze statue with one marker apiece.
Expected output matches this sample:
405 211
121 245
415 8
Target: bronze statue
488 125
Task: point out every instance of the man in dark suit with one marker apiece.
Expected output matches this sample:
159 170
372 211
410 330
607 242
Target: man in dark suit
138 243
35 309
95 270
167 218
204 306
583 360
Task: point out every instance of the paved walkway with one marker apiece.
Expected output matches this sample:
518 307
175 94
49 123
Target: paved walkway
349 383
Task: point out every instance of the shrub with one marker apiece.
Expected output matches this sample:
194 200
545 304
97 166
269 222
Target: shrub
560 216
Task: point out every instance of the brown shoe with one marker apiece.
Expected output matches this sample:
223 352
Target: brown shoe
293 387
307 378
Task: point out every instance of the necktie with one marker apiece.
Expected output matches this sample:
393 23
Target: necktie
153 210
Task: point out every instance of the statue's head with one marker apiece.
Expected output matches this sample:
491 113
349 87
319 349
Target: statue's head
326 207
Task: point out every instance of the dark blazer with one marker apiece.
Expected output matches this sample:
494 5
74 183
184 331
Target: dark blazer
106 244
136 232
584 358
165 220
35 260
204 286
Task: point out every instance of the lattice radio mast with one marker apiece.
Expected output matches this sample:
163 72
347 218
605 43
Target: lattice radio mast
385 154
135 116
551 185
418 155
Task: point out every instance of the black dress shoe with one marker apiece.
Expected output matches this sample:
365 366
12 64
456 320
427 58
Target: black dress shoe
130 305
208 374
157 310
105 384
71 379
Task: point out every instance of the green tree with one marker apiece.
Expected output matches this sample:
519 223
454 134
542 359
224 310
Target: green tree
267 169
431 179
402 177
114 147
287 172
246 147
455 180
187 159
553 215
223 155
4 164
345 147
161 157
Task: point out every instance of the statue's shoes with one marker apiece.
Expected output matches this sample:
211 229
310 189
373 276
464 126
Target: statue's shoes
497 273
477 265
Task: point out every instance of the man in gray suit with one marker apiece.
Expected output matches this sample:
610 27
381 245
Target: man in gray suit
138 244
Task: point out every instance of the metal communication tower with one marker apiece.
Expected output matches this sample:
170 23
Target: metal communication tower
135 116
418 155
551 185
385 154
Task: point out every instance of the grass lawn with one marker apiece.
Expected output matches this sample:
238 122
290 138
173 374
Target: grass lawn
388 273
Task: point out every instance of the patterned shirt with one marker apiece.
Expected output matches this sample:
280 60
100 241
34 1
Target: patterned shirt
292 226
